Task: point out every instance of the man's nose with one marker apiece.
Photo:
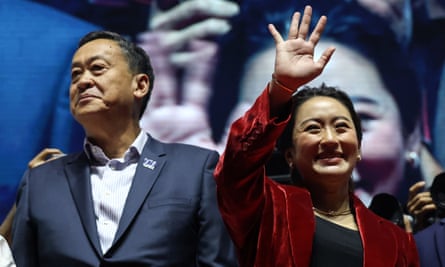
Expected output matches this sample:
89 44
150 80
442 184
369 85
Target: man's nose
85 82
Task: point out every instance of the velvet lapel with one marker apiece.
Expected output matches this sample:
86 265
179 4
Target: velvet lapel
149 167
439 239
78 175
377 244
301 223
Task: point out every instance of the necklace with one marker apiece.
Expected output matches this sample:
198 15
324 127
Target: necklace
332 213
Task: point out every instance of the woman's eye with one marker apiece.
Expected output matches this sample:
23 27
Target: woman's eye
312 128
342 125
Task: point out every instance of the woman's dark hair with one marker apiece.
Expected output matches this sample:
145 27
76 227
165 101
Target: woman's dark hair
138 60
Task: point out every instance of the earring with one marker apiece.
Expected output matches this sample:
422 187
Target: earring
291 165
359 157
413 159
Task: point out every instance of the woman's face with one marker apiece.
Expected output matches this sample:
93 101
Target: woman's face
383 148
325 146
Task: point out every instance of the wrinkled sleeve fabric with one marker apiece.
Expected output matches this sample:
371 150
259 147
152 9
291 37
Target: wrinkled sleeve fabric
240 172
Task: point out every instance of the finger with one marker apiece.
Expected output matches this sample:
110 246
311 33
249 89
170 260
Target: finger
422 197
187 12
158 45
44 155
418 202
415 188
204 29
407 223
305 23
295 23
159 42
199 70
173 40
164 42
428 208
425 210
318 31
326 57
275 34
413 202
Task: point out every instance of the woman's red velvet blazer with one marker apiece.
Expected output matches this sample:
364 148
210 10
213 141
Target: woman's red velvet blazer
272 224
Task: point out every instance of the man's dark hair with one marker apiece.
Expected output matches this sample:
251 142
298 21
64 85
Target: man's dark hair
138 60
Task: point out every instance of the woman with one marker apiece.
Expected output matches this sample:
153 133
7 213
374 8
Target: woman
317 221
372 69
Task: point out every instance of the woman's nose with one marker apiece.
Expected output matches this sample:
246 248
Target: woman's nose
329 136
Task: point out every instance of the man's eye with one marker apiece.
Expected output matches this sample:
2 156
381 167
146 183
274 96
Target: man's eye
97 67
75 74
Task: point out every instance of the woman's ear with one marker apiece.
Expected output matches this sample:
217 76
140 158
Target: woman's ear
142 85
289 157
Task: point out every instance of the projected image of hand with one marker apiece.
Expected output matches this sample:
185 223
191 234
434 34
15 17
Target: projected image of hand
183 49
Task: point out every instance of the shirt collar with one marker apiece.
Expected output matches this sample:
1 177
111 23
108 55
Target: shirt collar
96 155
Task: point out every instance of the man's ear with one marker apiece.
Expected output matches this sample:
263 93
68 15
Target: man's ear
142 85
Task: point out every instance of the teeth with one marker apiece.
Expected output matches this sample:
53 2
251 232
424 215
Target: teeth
330 156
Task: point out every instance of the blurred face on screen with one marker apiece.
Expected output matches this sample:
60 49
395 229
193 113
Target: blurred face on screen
391 10
382 166
397 13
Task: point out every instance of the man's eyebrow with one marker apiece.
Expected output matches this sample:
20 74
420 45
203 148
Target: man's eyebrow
78 64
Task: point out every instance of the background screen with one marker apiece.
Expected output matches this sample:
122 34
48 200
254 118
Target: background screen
212 58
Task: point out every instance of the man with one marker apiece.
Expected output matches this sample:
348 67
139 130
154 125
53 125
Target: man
431 244
127 199
430 240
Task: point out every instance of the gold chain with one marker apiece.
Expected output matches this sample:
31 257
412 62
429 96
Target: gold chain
332 213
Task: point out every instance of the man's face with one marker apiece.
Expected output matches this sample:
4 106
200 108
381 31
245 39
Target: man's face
101 82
